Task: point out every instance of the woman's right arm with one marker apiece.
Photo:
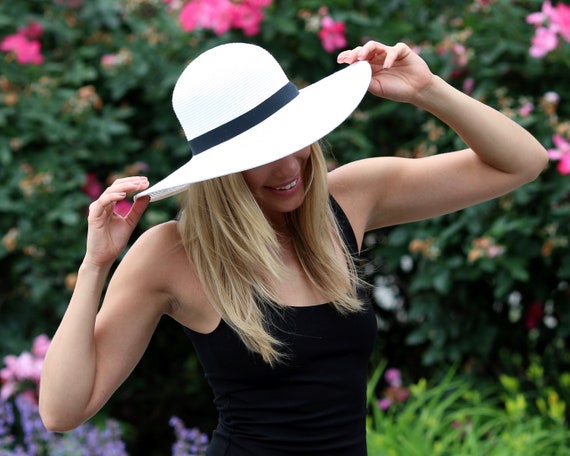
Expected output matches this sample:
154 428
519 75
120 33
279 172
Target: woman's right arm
92 352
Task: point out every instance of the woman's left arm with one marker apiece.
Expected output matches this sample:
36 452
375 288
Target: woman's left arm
501 155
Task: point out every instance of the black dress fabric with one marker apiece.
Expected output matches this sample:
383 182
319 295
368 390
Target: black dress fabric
314 402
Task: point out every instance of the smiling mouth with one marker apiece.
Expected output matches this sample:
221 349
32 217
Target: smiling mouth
288 186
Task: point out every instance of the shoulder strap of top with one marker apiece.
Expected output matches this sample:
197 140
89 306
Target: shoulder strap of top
345 227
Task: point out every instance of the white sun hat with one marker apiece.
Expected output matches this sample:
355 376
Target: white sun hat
239 111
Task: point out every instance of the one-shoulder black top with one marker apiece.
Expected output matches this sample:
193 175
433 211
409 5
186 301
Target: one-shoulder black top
314 402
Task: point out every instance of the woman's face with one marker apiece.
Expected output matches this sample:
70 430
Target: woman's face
279 186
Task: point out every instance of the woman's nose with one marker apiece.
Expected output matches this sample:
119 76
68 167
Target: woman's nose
286 167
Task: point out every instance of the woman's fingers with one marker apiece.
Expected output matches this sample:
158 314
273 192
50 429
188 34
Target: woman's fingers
137 210
375 52
116 192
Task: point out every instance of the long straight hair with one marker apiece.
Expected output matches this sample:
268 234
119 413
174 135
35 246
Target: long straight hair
236 252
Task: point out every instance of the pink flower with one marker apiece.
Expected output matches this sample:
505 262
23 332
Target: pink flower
123 207
468 85
332 34
247 17
562 20
215 15
526 109
25 367
26 51
384 403
539 18
393 377
549 22
552 97
34 30
561 152
92 187
109 60
544 41
40 346
222 15
460 55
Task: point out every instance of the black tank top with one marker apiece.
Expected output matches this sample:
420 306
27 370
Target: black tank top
314 402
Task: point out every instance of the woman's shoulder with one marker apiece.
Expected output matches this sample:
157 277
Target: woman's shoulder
156 258
160 235
159 251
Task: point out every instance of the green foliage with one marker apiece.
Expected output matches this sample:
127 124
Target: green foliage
452 416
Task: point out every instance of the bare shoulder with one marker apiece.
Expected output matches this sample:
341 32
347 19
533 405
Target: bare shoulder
161 262
152 267
357 187
155 250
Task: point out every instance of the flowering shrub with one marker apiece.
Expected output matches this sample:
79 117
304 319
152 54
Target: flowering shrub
22 432
223 15
25 44
395 392
550 23
22 373
189 442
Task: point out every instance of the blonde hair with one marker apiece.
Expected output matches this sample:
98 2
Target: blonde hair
236 252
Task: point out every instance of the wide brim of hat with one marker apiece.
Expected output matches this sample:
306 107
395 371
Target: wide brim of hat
315 112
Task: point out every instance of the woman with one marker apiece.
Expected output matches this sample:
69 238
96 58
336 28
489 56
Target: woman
259 268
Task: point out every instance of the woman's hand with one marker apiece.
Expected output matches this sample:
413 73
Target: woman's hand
398 73
108 232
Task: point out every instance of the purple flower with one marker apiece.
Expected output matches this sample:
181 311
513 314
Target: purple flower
189 442
384 403
22 433
393 377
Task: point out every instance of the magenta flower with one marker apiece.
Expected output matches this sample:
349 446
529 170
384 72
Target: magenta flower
27 51
123 207
34 30
215 15
393 377
92 187
561 152
534 315
384 403
222 15
332 34
247 17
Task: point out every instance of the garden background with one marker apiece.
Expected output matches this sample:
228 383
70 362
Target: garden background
483 293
